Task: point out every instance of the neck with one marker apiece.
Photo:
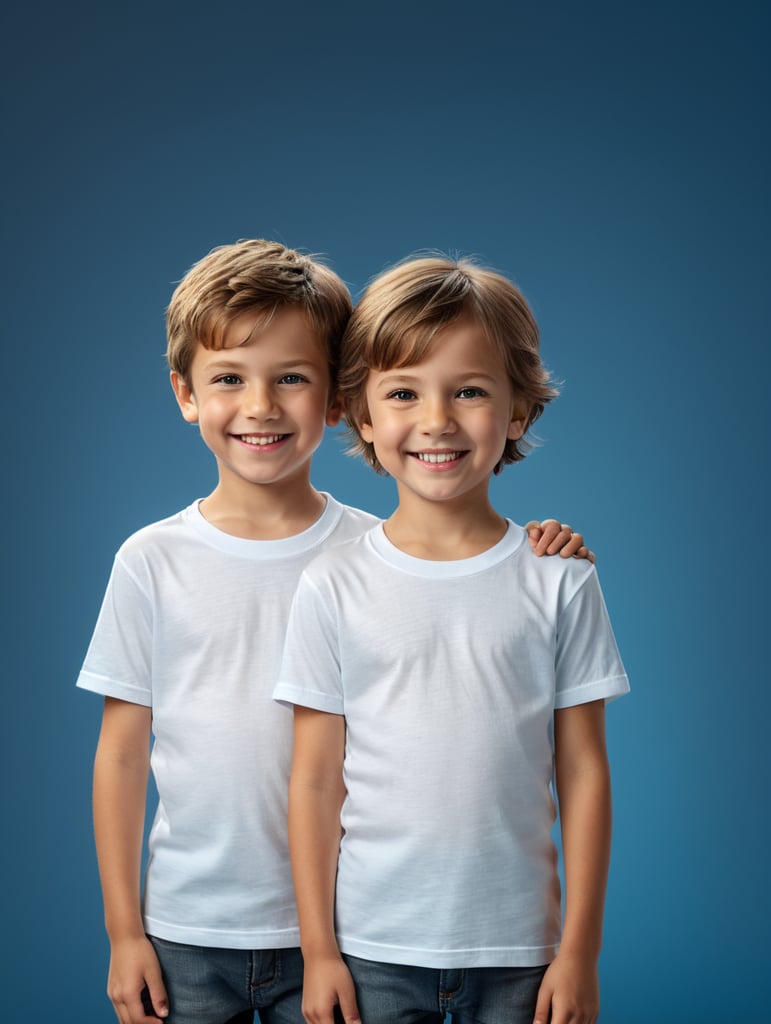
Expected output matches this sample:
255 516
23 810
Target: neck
445 531
263 511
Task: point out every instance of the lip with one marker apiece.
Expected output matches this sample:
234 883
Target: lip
435 460
261 443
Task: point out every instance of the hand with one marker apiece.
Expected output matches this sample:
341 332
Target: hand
569 993
550 537
327 984
134 967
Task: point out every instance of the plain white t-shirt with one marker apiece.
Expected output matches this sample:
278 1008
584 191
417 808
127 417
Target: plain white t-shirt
192 625
448 675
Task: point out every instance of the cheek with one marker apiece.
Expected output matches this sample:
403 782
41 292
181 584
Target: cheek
312 414
387 431
492 431
213 410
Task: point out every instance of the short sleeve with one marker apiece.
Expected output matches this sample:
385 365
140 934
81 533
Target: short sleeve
119 658
588 665
310 673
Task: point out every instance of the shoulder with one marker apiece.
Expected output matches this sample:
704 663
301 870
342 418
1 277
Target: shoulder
154 537
555 566
351 522
343 556
565 577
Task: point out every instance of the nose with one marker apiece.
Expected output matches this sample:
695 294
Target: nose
259 402
436 416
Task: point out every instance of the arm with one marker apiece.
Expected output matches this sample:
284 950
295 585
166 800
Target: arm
570 988
120 792
316 793
550 537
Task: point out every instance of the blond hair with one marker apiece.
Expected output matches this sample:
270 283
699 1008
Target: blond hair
252 274
399 316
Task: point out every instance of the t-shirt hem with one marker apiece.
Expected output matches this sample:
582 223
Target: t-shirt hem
498 956
604 689
290 695
216 938
110 688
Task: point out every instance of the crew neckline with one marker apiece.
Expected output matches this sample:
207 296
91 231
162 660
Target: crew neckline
283 547
429 569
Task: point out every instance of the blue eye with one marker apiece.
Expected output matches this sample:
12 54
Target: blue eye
402 395
228 379
293 378
471 392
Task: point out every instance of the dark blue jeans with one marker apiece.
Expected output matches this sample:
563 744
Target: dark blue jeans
396 994
227 986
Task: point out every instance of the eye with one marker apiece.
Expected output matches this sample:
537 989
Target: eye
402 395
229 379
293 378
471 392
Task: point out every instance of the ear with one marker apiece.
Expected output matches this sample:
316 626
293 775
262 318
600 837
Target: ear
335 410
366 433
518 423
185 398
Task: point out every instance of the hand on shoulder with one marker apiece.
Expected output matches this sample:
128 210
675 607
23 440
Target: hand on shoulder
551 537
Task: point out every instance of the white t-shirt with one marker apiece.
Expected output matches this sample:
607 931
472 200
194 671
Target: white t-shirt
192 625
448 675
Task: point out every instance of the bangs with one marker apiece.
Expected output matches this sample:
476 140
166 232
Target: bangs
214 325
402 342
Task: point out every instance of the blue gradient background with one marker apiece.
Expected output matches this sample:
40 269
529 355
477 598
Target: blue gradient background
614 161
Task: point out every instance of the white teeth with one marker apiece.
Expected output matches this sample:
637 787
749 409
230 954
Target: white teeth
438 456
266 439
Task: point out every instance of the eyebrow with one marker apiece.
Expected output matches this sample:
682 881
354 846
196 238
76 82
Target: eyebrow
406 378
235 364
223 364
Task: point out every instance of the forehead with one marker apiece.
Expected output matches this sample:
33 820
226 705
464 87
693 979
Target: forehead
280 335
462 344
288 326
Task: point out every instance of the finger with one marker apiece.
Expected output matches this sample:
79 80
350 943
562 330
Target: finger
550 531
120 1012
132 1011
571 545
542 1006
584 552
533 534
314 1015
559 536
543 536
565 1012
139 1010
349 1010
157 1001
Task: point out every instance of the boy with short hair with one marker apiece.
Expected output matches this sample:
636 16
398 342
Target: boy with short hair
441 676
187 647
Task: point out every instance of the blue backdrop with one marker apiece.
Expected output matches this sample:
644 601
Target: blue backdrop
612 159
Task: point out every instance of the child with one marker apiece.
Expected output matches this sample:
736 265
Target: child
441 675
187 647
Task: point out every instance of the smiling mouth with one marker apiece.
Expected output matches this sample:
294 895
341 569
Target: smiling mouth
435 457
261 440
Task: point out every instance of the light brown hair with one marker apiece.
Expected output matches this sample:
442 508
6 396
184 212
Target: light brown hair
252 274
396 322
